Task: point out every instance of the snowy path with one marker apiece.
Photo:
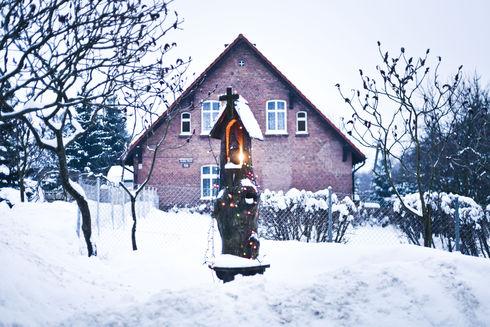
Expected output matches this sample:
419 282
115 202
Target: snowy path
44 280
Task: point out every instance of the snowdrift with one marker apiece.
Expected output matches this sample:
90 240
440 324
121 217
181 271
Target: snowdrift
44 280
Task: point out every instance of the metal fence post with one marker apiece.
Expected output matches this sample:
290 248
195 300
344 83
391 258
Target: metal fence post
330 220
98 205
457 229
123 200
79 214
112 204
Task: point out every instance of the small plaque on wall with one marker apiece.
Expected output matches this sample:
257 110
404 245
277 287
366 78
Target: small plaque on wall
185 162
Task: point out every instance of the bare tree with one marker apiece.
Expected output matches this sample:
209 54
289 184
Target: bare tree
26 155
59 54
167 118
393 111
159 146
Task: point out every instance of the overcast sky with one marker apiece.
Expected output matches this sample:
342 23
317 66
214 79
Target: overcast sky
317 44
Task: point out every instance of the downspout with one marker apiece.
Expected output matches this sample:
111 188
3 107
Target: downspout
353 173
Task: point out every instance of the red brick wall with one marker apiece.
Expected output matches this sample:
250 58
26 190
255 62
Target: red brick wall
312 161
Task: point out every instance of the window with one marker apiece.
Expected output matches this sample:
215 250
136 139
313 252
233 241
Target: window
209 112
185 123
301 123
276 117
209 182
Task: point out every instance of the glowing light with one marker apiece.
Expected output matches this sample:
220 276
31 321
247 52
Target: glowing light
241 156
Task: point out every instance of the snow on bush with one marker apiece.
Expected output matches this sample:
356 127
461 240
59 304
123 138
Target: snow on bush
303 215
473 221
445 202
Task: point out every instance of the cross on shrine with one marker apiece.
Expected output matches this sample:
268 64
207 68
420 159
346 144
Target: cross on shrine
241 63
229 97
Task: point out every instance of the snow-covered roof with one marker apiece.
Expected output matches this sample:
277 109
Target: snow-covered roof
246 116
115 173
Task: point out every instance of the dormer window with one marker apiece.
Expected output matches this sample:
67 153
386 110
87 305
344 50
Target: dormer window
185 123
209 112
276 117
301 122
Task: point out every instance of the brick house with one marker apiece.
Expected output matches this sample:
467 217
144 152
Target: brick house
301 148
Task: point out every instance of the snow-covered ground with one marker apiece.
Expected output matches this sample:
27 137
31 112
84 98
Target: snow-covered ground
45 281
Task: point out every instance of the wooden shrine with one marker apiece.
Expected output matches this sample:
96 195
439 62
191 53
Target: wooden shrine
236 206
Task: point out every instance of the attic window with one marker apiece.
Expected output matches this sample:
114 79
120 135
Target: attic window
276 117
301 122
185 123
241 62
209 112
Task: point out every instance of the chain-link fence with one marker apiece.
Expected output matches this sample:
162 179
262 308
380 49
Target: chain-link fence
457 223
110 209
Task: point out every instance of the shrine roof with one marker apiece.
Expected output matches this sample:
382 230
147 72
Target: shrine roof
246 117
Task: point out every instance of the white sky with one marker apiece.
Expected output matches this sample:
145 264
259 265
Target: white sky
317 44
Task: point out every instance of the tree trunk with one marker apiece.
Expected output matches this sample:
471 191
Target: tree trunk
22 189
133 230
427 222
79 199
86 223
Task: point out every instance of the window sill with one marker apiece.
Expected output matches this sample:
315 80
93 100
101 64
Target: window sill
274 133
185 134
302 133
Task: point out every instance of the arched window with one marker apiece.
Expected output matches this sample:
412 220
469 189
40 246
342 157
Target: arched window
209 112
185 123
209 182
276 117
301 122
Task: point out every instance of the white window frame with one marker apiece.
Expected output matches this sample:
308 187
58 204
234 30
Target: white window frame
305 119
184 120
211 176
212 112
276 112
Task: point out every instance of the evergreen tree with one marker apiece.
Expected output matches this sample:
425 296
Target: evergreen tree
8 177
381 183
102 145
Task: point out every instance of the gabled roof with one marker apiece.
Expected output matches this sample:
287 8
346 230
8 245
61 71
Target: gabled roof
357 155
246 116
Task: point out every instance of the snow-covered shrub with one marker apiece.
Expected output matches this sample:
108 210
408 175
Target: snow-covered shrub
473 221
373 214
205 207
303 215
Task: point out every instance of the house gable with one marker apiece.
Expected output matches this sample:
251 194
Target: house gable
242 53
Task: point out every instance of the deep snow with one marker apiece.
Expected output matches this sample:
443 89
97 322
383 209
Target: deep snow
45 281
